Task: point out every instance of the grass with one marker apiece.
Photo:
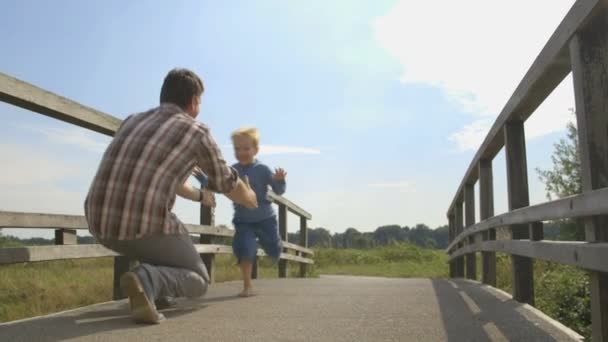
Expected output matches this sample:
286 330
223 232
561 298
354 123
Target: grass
399 260
39 288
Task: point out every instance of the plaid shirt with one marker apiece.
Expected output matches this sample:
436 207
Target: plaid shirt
151 155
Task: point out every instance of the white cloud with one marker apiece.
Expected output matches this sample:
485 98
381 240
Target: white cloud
266 150
476 52
71 136
23 165
285 149
397 184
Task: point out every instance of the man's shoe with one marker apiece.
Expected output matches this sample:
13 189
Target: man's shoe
165 303
142 309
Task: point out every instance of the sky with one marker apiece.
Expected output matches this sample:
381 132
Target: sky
374 108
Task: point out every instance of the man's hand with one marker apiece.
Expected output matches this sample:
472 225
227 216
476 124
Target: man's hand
250 200
243 194
279 174
208 198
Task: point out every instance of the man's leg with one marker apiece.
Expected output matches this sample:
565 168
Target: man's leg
169 267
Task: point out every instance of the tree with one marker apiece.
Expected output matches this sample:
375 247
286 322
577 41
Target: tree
565 180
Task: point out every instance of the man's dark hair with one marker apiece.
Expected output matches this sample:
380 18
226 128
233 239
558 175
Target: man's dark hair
180 86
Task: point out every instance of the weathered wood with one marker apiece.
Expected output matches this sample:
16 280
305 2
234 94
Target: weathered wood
14 255
207 219
28 96
590 203
589 256
66 237
210 230
254 268
536 231
292 207
589 58
517 188
283 234
469 217
458 214
122 265
14 219
544 75
486 210
303 243
289 245
43 253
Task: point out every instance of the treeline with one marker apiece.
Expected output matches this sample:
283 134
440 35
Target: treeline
420 235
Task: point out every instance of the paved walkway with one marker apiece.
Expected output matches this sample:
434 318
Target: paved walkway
333 308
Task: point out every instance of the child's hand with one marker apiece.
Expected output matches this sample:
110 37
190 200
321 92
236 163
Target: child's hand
208 198
279 174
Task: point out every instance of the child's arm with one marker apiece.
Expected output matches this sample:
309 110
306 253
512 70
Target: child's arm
277 181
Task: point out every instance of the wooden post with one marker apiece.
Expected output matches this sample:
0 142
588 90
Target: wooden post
66 237
486 210
283 234
451 226
469 215
254 269
207 219
122 265
517 185
589 60
459 262
303 243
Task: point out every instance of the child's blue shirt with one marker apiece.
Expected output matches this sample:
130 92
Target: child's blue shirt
260 177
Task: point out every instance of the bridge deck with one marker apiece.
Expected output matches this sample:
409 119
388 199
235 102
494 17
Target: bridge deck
333 308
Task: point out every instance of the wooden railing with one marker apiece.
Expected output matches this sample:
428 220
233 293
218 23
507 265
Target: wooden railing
579 45
25 95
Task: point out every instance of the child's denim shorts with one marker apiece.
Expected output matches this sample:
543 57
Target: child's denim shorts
267 233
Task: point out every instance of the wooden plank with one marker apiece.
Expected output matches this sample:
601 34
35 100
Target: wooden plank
546 73
590 203
43 253
590 256
522 274
207 218
14 219
303 243
283 234
28 96
589 58
122 265
458 214
486 210
292 207
290 257
295 247
210 230
13 255
66 237
469 217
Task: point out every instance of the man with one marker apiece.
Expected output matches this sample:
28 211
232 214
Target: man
128 207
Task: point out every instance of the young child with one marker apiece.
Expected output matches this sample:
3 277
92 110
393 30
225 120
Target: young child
260 223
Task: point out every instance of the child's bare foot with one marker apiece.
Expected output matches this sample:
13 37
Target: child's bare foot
247 292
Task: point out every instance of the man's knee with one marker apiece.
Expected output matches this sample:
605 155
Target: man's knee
194 285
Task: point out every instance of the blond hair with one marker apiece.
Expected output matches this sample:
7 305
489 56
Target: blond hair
249 132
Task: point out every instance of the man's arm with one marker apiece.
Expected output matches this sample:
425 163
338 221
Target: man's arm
188 191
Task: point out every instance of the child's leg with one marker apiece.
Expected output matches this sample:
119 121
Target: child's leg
267 232
244 248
